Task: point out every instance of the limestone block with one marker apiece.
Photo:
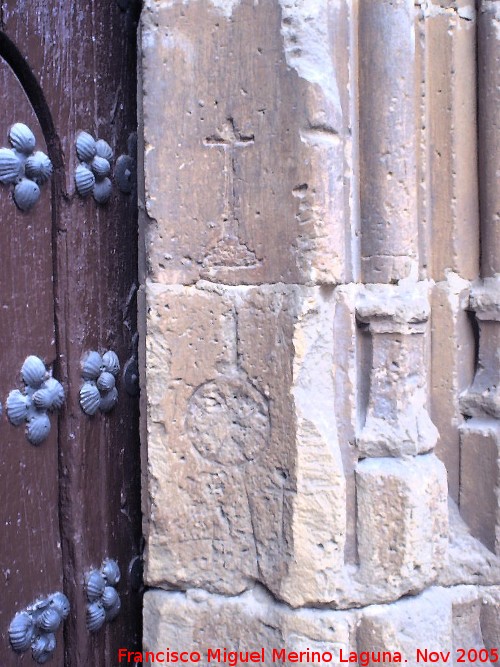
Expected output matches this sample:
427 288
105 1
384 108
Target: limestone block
490 617
466 611
420 623
402 520
252 621
397 422
388 200
452 369
245 475
247 140
451 117
480 480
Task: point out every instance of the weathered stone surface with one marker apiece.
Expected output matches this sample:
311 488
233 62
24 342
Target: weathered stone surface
423 622
480 480
388 185
469 561
482 399
490 617
466 611
397 422
488 68
250 622
402 520
452 208
245 476
452 369
247 142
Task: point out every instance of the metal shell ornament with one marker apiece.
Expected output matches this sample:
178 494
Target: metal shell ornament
22 138
26 194
90 398
38 428
106 381
35 626
10 166
38 167
92 366
103 149
102 190
100 167
21 632
42 393
49 620
43 648
21 166
108 400
17 407
60 603
50 396
85 146
95 585
95 616
33 371
98 390
111 363
111 572
95 159
84 180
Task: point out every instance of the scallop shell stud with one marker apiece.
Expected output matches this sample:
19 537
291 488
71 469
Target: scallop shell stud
84 180
85 146
38 167
10 166
111 572
43 648
60 603
26 194
95 616
22 138
92 174
21 632
17 407
38 428
24 167
42 393
90 398
95 585
49 620
33 371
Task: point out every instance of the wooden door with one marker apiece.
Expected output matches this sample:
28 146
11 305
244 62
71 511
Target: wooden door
67 286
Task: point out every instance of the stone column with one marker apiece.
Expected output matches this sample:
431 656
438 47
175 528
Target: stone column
394 309
481 435
387 126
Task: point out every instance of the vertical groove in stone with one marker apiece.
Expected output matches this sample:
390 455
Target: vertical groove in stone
489 134
387 121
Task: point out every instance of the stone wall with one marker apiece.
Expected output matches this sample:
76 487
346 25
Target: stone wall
321 299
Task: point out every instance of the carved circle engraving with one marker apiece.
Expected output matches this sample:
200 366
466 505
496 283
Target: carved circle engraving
228 421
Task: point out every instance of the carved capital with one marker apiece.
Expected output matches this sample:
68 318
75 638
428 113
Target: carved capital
397 422
402 308
482 399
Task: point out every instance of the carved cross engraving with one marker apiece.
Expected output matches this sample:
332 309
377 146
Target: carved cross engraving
230 251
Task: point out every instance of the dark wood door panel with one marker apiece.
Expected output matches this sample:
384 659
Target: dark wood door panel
30 551
80 61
